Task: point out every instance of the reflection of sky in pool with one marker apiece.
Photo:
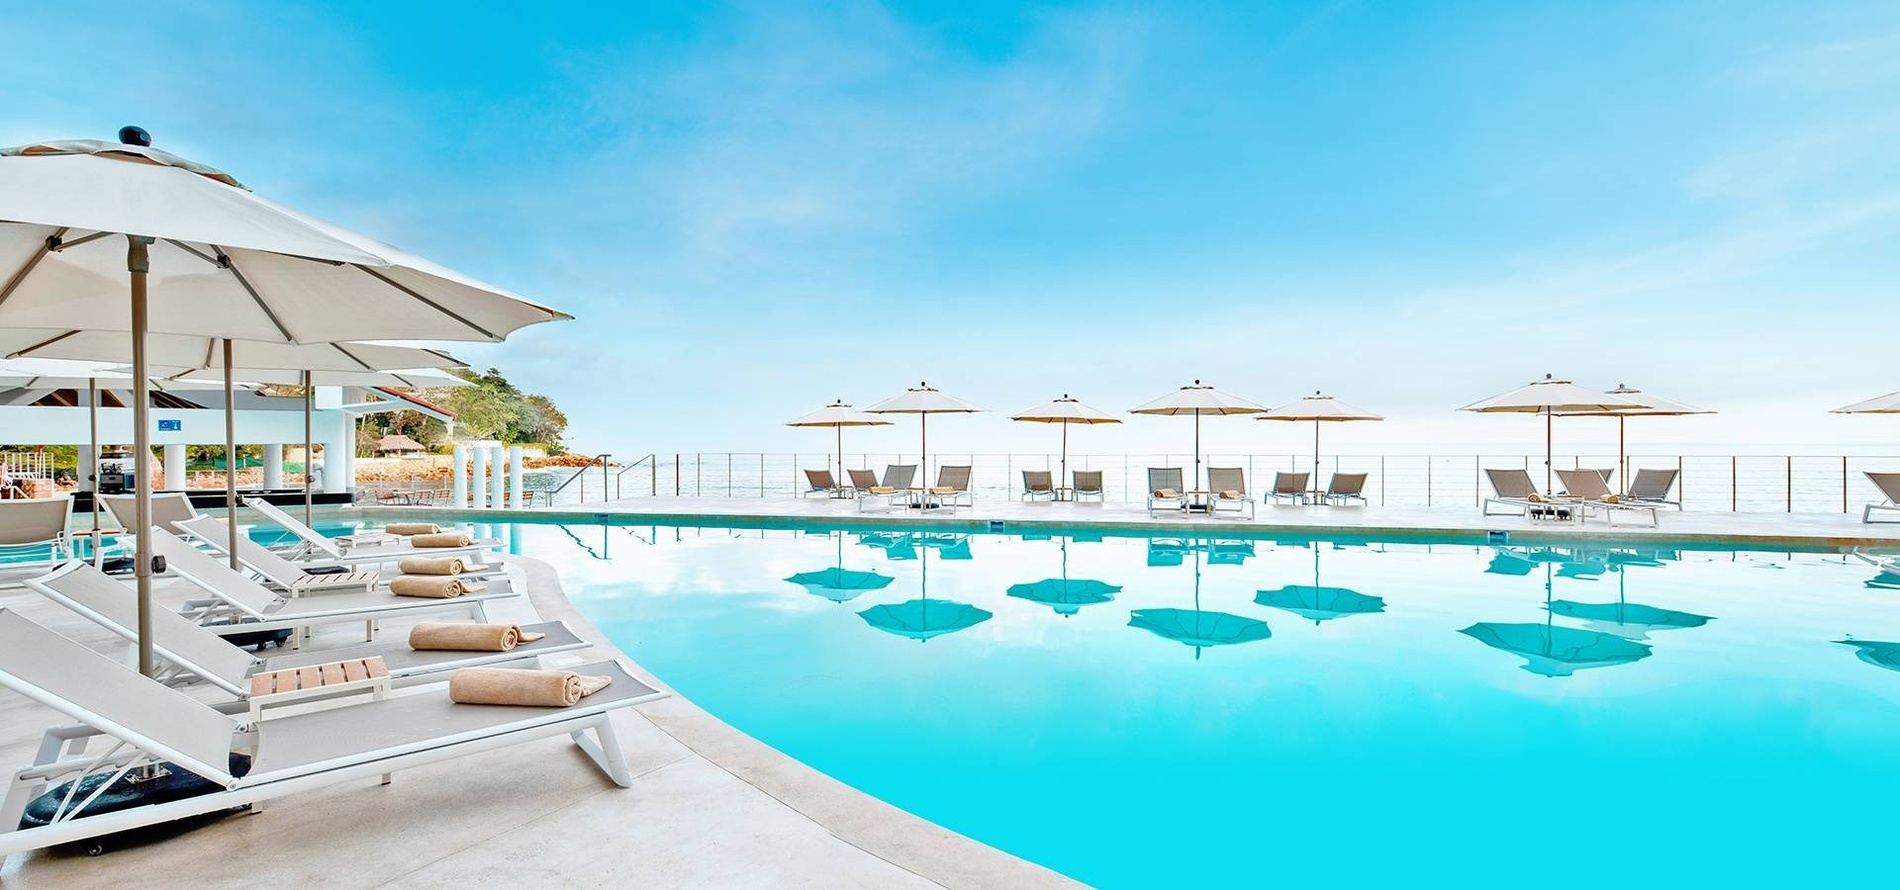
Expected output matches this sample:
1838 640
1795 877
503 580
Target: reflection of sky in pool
1366 713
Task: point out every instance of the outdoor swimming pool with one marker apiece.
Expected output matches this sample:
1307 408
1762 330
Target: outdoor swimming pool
1140 712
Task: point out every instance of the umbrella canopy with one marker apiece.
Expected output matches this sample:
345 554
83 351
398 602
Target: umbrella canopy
1887 404
922 619
838 415
1557 651
224 262
1632 620
1065 595
1549 397
1197 627
1651 406
204 256
1319 603
923 400
1065 411
1318 408
1196 399
422 378
61 374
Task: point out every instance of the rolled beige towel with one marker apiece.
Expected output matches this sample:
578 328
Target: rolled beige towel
441 539
942 489
1166 494
1230 494
500 686
440 587
883 489
432 565
468 636
412 528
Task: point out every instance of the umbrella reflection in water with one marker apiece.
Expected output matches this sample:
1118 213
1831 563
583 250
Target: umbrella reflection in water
923 618
1196 627
838 583
1319 603
1875 652
1553 651
1624 618
1065 595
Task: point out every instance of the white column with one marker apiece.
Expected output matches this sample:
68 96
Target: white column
273 467
514 475
174 468
478 478
495 478
458 476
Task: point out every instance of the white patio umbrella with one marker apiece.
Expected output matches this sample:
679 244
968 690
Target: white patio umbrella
203 255
1318 408
1198 398
1887 404
1065 411
923 400
1550 397
1652 406
838 415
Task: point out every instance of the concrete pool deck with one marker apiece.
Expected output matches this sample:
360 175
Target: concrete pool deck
709 806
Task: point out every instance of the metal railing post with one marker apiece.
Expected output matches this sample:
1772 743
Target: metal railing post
1843 483
1734 483
1789 480
676 474
1428 480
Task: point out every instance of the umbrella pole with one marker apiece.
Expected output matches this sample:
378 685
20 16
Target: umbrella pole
308 458
1622 458
923 446
1315 483
92 417
1197 478
1547 451
230 459
138 262
1065 461
840 429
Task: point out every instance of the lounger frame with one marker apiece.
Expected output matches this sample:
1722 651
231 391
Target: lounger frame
1889 485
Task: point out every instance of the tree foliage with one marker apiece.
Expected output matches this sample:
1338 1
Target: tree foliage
492 408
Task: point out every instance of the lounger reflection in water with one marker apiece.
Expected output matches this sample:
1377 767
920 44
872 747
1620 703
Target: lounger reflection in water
193 650
146 724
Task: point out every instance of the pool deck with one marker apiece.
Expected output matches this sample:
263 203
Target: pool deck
1769 530
709 806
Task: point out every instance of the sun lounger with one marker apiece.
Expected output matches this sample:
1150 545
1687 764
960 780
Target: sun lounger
317 546
1587 489
1652 487
1513 489
895 490
862 481
1227 491
276 571
1039 484
822 482
234 598
1165 489
1345 487
151 724
28 526
952 488
192 649
169 508
1292 486
1889 485
1088 484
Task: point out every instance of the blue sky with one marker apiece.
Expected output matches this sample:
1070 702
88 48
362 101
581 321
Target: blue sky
756 208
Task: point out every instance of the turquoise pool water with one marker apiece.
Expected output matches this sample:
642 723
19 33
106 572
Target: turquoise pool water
1139 712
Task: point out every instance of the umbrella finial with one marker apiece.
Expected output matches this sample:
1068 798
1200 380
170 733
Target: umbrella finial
135 136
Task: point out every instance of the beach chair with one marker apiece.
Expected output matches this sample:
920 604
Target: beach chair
1291 486
1652 487
862 481
1039 484
33 535
822 482
278 572
1088 484
1345 487
1227 491
377 547
895 490
1513 489
195 651
1165 489
1588 490
237 604
1889 485
952 488
147 724
169 508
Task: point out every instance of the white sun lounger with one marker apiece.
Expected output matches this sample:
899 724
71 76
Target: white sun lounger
193 649
1587 489
233 596
1221 480
1038 484
1292 486
1514 489
277 571
1889 485
895 490
149 723
1345 487
1652 487
378 549
169 508
952 488
32 524
1162 480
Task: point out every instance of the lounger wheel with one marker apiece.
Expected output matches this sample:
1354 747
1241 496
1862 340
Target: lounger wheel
94 848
